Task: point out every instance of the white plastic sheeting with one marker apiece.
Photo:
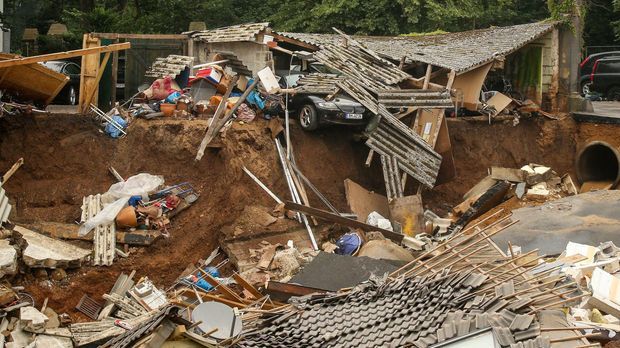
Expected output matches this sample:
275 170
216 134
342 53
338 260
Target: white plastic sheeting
138 185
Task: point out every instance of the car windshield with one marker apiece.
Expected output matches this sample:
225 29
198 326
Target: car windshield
56 66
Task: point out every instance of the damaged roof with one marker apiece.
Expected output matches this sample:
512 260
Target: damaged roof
233 33
172 65
460 52
393 314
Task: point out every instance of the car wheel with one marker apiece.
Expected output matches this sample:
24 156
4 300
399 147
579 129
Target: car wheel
614 93
308 118
71 96
585 88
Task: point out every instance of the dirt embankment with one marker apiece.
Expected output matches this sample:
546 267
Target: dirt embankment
66 158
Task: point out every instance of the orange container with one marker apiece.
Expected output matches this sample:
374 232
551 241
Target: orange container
167 109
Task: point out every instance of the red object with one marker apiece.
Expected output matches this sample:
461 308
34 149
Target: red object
162 88
211 74
122 324
593 71
584 62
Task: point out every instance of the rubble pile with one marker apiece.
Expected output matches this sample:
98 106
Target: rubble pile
514 264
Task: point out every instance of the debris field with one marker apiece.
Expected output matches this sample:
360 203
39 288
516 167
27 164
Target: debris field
378 202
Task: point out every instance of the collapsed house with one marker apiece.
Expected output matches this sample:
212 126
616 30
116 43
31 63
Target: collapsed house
398 275
529 59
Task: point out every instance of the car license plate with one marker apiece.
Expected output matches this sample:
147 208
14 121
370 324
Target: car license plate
354 116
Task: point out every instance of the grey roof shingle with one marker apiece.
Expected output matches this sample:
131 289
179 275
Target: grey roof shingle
233 33
336 321
169 66
457 51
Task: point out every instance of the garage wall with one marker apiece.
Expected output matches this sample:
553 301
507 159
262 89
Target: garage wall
549 60
253 55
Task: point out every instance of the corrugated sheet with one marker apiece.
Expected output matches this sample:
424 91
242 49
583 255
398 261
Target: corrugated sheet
234 63
396 98
234 33
318 84
169 66
395 141
104 236
456 51
5 207
356 63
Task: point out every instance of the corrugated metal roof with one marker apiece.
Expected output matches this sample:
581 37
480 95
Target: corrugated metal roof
5 207
233 33
169 66
456 51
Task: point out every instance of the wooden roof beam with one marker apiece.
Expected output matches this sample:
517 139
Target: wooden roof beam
115 36
64 55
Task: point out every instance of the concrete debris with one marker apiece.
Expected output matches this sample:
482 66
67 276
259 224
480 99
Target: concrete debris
32 320
8 258
39 251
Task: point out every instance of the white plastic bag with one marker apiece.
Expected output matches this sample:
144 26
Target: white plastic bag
119 193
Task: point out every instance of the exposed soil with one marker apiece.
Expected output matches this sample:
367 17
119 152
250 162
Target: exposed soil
66 158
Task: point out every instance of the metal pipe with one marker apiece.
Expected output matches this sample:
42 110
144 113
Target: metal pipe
598 161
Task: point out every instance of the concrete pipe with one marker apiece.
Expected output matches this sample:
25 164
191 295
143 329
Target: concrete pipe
598 161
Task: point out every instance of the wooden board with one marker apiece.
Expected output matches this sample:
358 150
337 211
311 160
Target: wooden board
500 102
443 146
89 73
395 237
363 202
63 55
469 84
409 212
481 187
31 81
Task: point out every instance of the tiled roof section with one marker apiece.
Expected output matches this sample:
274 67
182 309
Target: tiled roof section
169 66
357 63
234 33
457 51
393 314
318 83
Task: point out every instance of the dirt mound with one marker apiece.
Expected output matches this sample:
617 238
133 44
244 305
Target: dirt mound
66 158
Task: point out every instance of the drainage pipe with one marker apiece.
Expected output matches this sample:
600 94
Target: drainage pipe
598 161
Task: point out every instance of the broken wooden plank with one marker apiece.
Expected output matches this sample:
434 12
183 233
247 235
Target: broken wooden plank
247 286
284 291
9 173
409 212
363 202
481 187
396 237
216 124
64 55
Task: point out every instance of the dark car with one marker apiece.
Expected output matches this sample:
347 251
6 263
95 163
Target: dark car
605 78
585 69
314 111
70 93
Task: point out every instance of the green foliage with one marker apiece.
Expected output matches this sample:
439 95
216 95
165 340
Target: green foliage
366 17
434 32
601 23
616 23
58 43
560 8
